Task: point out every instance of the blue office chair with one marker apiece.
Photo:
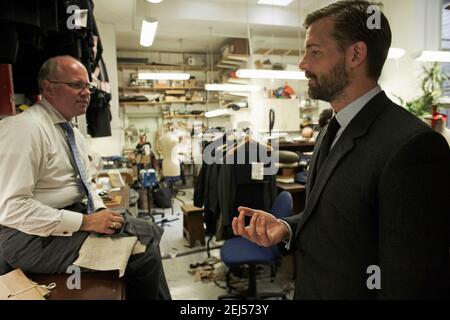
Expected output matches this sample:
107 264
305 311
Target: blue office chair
239 251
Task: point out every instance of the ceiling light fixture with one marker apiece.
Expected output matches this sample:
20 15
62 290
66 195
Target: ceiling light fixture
396 53
232 87
270 74
148 32
436 56
281 3
163 76
217 113
155 1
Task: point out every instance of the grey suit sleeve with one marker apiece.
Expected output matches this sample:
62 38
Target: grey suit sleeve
294 220
292 223
414 220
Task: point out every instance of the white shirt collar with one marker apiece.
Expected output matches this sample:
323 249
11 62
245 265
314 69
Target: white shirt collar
345 116
54 114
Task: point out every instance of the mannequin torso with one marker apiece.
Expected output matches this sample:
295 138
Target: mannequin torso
171 164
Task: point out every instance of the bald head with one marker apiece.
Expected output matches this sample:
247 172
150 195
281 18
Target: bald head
53 67
64 83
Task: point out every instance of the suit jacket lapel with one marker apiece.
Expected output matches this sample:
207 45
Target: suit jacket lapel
312 165
358 127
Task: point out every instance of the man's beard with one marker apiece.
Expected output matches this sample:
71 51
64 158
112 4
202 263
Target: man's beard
328 86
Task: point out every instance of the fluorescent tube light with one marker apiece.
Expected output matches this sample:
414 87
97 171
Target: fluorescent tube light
155 1
438 56
231 87
282 3
270 74
163 76
217 113
396 53
148 32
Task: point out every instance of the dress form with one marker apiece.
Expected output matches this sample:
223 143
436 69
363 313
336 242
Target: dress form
171 164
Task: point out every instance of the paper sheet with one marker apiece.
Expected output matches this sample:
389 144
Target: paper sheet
108 253
16 286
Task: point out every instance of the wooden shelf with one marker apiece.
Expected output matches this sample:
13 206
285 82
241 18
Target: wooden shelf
277 52
160 89
134 115
165 102
231 61
184 116
239 57
158 67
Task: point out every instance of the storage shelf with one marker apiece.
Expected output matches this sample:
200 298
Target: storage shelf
184 116
160 67
165 102
277 52
232 61
134 115
160 89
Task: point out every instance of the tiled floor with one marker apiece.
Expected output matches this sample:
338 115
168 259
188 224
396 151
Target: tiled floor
178 258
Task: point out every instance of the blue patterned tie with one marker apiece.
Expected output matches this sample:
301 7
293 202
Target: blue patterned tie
79 164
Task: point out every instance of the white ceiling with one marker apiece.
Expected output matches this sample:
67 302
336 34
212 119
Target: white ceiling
197 25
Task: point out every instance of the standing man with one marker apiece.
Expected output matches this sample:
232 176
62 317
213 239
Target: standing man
44 175
376 221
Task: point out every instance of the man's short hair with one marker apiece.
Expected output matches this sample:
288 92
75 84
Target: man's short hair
50 70
351 25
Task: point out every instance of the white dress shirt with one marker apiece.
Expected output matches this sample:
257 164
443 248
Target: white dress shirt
37 175
343 117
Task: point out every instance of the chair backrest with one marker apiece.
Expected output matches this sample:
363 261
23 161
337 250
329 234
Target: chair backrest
282 207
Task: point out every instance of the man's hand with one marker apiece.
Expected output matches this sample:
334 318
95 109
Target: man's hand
264 229
104 221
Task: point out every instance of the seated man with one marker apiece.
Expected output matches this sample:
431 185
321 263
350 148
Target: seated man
44 174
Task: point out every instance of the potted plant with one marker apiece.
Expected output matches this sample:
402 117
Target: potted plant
431 84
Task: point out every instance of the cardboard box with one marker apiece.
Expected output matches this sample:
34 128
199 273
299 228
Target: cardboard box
191 83
162 85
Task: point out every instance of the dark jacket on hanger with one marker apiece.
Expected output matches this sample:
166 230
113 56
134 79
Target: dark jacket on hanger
236 187
98 114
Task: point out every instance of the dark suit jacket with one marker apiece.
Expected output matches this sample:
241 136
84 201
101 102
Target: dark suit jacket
381 198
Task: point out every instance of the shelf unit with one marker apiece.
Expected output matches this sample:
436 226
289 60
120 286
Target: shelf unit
182 96
158 67
184 116
277 52
166 102
174 91
160 89
231 61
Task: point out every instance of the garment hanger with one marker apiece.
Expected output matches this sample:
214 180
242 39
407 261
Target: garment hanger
245 140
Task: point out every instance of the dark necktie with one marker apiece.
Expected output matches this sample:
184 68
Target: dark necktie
79 164
333 128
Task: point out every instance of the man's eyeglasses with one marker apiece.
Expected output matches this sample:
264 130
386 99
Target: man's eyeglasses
78 85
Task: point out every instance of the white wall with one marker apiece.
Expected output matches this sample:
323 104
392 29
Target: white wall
415 27
109 146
